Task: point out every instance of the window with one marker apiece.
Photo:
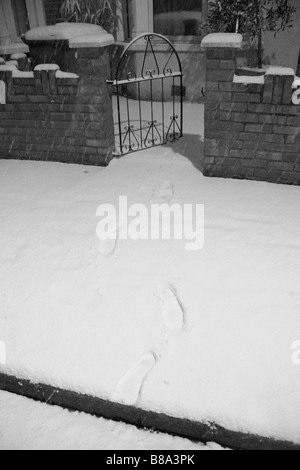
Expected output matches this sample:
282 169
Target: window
179 17
21 18
17 16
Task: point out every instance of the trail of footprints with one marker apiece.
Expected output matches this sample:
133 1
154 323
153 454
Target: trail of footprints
163 195
129 388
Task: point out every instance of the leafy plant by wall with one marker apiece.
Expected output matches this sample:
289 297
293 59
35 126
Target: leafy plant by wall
101 12
251 17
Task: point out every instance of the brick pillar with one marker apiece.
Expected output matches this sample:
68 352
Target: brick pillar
278 85
88 57
221 57
93 68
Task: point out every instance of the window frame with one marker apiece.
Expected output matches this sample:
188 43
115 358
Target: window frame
36 16
186 39
142 12
36 13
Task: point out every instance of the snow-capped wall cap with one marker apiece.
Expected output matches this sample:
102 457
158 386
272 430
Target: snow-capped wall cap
18 56
20 74
8 68
91 40
62 31
248 79
16 73
60 74
280 71
47 67
223 40
79 35
12 62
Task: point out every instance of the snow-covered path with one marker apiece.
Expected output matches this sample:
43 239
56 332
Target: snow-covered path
204 335
26 425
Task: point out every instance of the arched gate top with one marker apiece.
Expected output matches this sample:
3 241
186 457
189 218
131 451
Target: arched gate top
148 113
153 65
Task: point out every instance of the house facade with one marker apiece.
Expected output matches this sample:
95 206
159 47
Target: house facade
179 20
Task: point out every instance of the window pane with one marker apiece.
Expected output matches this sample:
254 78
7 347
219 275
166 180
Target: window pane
20 16
178 17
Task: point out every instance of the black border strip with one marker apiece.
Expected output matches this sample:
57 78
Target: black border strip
196 431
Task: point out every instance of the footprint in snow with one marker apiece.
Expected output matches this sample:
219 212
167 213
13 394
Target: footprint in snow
173 312
108 242
164 194
129 388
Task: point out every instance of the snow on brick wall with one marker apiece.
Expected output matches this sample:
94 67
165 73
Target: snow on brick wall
252 124
51 115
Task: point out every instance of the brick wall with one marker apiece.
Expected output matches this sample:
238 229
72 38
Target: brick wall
52 12
252 130
59 119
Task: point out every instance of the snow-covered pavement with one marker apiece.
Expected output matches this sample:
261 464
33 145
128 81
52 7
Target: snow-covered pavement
27 425
79 316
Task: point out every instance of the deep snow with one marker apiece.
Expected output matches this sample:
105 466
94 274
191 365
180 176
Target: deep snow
26 425
76 318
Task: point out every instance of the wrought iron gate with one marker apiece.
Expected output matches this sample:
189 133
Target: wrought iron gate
149 95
